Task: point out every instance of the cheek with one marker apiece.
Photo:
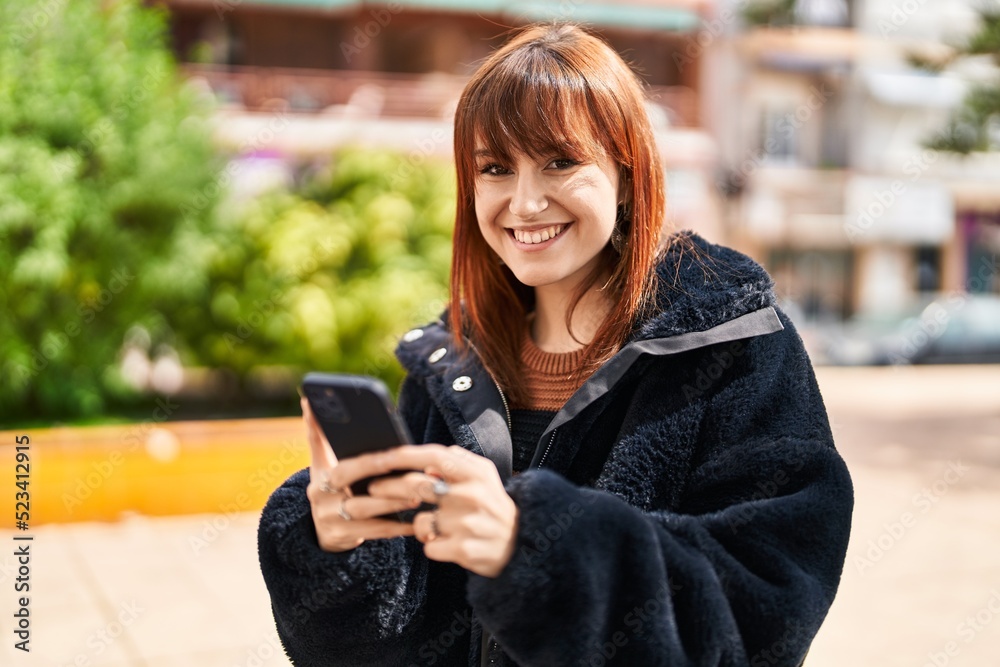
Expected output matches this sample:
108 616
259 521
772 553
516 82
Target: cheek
486 226
487 209
483 205
595 195
482 220
481 215
601 210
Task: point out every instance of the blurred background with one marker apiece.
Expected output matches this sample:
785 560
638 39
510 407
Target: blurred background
200 200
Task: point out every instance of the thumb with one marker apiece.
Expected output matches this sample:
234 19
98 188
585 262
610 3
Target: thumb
321 456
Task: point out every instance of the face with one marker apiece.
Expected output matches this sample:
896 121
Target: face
548 219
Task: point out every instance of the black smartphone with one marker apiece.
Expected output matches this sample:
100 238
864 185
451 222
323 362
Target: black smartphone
357 416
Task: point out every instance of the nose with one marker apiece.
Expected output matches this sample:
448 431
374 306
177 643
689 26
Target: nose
528 198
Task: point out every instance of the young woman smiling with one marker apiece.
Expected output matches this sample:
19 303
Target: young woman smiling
629 454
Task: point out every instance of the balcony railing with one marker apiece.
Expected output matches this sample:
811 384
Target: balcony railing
366 94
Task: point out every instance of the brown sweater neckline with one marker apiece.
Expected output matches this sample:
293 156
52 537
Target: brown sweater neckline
548 376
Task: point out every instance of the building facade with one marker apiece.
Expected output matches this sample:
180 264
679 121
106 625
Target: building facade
824 159
390 74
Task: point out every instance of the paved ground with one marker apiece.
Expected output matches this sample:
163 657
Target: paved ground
922 581
921 586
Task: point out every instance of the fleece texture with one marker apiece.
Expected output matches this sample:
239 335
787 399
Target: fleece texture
697 513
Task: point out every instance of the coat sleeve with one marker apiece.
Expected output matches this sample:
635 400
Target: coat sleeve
360 607
741 570
334 608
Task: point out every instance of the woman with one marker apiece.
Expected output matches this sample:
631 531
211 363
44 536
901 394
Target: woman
640 470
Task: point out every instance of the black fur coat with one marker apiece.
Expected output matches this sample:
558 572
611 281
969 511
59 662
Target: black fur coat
686 507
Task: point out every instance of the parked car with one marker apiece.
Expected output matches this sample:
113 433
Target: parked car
954 328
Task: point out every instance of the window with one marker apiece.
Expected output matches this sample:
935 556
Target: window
927 264
779 131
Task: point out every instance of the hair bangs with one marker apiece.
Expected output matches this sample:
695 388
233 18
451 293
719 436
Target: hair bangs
535 105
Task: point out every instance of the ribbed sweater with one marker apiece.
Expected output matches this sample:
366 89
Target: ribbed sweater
547 375
549 384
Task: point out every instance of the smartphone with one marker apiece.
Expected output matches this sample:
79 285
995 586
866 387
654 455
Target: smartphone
356 414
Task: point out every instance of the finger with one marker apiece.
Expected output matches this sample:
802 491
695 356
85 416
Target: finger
439 545
454 463
442 550
321 455
360 508
361 466
426 527
344 535
412 485
377 529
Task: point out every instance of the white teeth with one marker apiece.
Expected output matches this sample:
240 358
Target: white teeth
540 236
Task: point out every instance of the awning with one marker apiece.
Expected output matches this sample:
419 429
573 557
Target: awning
622 15
901 210
471 6
228 5
914 89
637 15
801 47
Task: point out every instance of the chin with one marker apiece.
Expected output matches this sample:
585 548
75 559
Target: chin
529 281
537 280
532 278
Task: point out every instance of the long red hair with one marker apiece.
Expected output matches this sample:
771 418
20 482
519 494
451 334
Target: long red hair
553 89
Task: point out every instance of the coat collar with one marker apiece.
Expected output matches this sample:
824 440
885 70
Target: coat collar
706 294
702 285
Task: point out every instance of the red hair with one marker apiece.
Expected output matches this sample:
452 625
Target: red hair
553 89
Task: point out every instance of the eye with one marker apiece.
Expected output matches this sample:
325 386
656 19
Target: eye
563 163
493 169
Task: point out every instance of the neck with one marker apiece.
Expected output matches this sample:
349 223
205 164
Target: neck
548 326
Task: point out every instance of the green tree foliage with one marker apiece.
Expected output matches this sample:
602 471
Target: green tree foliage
329 278
975 126
770 12
115 229
100 148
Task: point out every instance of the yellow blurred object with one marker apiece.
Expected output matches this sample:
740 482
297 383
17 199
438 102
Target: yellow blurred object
152 468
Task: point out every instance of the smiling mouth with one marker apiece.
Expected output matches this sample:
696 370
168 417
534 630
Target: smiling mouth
538 235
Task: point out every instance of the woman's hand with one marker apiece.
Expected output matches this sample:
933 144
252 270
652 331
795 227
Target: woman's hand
344 521
475 524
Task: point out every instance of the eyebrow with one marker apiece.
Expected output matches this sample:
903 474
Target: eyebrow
483 152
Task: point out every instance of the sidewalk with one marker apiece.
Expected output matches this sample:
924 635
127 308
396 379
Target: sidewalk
921 584
145 592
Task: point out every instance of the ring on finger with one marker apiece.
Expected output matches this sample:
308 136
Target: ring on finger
435 531
325 484
342 511
440 488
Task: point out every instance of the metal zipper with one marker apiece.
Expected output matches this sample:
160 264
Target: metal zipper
548 447
506 408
